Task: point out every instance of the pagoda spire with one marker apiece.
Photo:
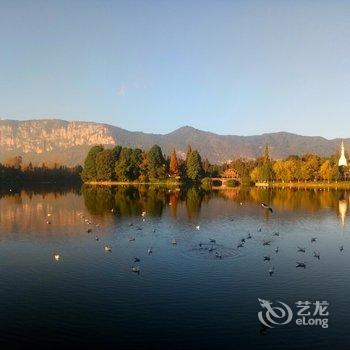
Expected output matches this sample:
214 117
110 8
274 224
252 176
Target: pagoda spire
342 160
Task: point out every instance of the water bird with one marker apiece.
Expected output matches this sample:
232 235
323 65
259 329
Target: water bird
341 248
301 249
154 230
136 269
136 260
276 234
57 257
173 241
301 264
267 258
89 230
266 242
211 249
317 255
149 251
131 224
243 240
197 227
276 249
96 238
212 240
259 229
240 245
313 239
271 270
265 206
131 239
218 255
49 214
139 228
48 222
108 248
143 214
249 236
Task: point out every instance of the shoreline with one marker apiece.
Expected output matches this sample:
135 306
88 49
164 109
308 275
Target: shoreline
118 183
306 185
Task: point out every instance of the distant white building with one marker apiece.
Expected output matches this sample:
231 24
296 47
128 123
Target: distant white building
342 160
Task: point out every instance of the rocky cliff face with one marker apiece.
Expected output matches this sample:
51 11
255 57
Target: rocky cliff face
67 143
51 140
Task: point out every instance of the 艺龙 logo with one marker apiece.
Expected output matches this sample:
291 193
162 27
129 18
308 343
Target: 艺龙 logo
274 315
307 314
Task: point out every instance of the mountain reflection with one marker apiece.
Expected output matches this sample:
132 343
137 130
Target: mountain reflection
43 212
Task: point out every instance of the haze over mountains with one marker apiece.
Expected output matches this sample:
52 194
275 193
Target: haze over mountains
53 140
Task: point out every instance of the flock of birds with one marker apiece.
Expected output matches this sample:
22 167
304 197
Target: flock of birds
207 246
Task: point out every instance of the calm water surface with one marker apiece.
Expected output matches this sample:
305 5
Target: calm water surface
184 297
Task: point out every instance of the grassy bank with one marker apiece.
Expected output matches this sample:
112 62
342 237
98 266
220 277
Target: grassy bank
336 185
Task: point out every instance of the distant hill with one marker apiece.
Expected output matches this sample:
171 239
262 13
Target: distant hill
53 140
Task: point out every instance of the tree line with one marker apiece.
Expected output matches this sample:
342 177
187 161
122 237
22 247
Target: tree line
126 164
294 168
133 164
13 172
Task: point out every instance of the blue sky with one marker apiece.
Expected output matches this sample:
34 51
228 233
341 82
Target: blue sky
231 67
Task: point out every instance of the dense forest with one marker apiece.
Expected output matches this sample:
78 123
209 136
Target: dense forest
14 173
134 165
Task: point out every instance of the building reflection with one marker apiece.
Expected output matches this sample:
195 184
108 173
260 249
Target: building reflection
343 208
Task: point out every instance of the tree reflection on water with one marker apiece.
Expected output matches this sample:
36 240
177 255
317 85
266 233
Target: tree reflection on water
130 200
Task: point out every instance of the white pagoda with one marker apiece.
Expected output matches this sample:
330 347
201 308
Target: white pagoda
342 160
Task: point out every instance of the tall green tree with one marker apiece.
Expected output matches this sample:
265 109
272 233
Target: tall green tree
156 163
89 172
116 152
105 163
128 166
194 169
122 165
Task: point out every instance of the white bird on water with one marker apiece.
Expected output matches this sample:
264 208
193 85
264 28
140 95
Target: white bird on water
197 227
57 257
136 269
108 248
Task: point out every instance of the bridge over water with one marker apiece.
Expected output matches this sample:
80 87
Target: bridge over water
221 182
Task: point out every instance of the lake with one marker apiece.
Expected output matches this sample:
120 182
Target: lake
194 294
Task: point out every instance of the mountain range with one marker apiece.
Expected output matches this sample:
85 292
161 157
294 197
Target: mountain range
54 140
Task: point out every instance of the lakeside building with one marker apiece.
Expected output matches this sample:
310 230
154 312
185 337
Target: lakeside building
343 163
